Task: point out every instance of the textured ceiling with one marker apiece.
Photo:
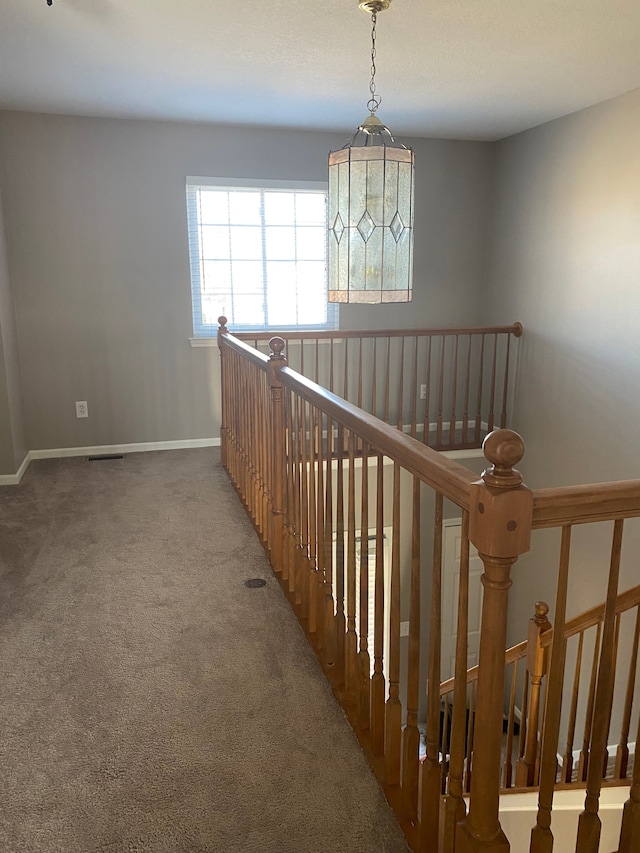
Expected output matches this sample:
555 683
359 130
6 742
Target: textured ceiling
449 68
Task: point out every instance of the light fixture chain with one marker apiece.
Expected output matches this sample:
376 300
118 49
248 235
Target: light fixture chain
374 101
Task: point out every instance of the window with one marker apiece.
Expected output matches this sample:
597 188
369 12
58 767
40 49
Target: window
258 255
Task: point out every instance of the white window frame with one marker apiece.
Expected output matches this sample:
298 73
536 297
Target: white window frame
193 183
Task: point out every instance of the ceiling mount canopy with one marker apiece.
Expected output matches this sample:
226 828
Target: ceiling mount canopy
371 206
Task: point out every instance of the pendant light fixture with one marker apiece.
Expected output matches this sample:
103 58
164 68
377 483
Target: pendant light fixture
371 206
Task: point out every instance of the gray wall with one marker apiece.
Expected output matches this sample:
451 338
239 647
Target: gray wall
12 437
96 228
566 262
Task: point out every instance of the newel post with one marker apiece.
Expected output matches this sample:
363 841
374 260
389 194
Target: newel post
277 472
537 661
224 415
500 528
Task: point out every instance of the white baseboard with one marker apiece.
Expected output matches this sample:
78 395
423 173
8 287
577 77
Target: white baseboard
102 449
14 479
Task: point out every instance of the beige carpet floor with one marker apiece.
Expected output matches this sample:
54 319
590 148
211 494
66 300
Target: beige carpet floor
149 700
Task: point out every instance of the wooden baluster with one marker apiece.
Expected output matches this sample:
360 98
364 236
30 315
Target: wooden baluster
605 762
537 659
374 378
290 452
589 824
260 475
508 761
378 680
295 491
277 361
478 430
266 444
317 364
411 733
322 557
583 761
225 389
329 611
541 835
426 426
330 364
431 789
364 659
500 528
447 710
454 393
505 388
313 534
567 758
351 639
467 391
289 526
345 379
360 374
455 808
387 383
630 829
393 708
440 392
340 622
305 573
471 730
401 386
622 753
492 394
523 716
414 386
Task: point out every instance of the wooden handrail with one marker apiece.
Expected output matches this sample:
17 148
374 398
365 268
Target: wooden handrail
516 652
450 478
324 334
581 622
585 504
250 353
625 601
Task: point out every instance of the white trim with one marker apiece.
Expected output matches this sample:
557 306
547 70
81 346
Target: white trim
213 342
101 449
14 479
253 183
473 453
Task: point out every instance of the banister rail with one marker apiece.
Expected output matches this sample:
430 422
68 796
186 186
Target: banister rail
451 478
514 329
446 387
583 504
352 510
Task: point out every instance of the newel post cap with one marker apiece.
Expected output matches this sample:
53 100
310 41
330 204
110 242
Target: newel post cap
501 507
276 349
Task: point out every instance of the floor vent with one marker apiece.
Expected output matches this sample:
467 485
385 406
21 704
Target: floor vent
105 457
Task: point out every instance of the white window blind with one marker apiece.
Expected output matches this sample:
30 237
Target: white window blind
258 255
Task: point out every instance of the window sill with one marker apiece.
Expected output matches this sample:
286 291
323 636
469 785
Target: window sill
213 342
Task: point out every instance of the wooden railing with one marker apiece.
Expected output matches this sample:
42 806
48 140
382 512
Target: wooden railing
352 513
526 668
446 387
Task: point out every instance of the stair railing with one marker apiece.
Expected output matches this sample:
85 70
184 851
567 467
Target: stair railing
351 512
446 387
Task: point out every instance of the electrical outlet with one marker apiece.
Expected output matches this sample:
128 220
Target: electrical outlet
423 392
82 410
